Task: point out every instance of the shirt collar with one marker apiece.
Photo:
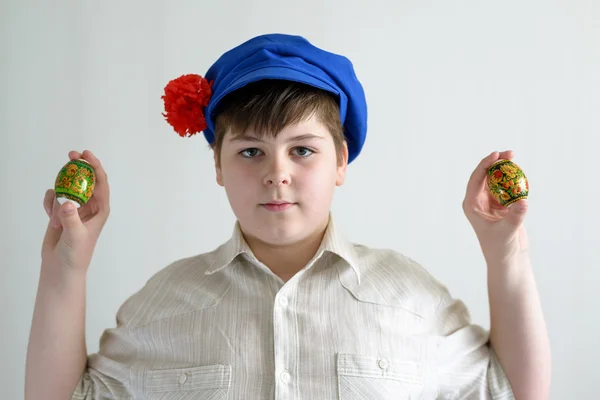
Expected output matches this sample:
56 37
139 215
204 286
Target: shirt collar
333 242
224 255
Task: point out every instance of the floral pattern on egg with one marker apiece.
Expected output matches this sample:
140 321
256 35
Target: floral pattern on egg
507 182
75 182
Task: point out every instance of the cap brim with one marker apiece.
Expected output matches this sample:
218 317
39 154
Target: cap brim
280 73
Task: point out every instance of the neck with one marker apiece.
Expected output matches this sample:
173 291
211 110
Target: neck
286 260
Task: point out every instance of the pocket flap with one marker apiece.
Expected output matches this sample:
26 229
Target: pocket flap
379 367
203 377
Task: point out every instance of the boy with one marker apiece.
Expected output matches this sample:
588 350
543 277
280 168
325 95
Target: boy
288 308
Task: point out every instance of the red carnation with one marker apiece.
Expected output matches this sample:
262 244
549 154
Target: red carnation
185 99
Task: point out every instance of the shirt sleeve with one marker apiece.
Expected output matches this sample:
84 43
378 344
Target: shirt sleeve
468 368
107 374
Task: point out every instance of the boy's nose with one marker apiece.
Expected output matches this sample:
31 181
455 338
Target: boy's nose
277 180
277 175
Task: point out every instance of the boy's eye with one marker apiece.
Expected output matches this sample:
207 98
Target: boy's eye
303 151
250 153
254 152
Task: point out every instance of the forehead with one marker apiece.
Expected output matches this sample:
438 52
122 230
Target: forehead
308 128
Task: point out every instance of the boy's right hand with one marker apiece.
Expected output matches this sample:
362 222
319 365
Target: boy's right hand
73 232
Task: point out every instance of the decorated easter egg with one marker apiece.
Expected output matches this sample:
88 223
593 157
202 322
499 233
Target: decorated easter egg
75 182
507 182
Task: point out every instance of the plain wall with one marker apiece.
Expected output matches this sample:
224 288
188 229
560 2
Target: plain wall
446 82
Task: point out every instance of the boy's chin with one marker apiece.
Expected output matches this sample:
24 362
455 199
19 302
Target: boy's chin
279 232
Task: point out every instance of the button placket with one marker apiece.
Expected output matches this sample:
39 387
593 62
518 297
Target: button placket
285 377
283 301
285 341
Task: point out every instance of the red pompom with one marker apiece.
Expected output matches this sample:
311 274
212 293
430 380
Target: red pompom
185 99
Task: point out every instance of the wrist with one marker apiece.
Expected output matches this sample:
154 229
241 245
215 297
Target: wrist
60 275
508 276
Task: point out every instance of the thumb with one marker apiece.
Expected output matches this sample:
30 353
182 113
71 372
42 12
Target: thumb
516 213
70 221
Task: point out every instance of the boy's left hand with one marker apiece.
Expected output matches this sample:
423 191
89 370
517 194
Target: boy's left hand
500 230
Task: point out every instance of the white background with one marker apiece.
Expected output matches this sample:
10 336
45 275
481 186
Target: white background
446 82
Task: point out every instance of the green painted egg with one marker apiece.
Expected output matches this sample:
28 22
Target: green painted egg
75 182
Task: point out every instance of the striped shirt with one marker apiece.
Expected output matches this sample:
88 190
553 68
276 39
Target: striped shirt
355 323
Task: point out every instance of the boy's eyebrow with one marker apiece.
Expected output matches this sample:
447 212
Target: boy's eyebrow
304 137
248 138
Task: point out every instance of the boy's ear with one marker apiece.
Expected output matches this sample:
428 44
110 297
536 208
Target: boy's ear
219 173
342 166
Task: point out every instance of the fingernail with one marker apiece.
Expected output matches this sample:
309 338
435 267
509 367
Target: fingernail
69 209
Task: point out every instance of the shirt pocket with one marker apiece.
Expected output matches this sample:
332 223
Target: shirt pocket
209 382
378 378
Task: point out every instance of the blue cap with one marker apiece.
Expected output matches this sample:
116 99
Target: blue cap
291 58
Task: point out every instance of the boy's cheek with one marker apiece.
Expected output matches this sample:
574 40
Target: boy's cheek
236 171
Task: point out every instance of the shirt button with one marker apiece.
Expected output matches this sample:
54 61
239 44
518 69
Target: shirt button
182 378
383 363
285 377
283 301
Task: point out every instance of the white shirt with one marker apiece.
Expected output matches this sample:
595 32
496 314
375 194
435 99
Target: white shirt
355 323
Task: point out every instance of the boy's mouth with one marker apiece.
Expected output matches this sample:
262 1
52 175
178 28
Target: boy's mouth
278 205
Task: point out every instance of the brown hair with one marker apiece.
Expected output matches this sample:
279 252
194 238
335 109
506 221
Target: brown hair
268 106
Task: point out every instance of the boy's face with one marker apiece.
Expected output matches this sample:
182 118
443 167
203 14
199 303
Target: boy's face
281 188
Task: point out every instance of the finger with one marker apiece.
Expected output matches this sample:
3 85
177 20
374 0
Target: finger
54 219
75 155
85 213
506 155
52 235
101 190
54 229
478 178
48 199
